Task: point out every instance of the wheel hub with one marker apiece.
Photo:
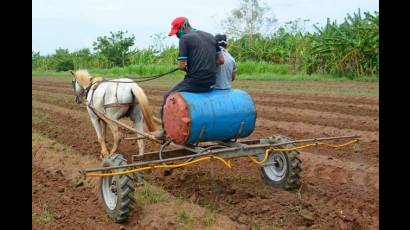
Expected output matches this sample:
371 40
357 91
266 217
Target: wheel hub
110 190
277 170
113 187
278 162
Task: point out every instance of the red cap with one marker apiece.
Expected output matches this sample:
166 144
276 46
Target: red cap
176 25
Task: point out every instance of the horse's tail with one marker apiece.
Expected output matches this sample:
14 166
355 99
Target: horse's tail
144 105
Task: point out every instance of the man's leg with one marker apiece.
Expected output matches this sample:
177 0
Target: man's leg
181 86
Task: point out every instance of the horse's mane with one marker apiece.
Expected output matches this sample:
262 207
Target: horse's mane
84 78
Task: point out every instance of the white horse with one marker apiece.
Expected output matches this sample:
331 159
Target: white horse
118 98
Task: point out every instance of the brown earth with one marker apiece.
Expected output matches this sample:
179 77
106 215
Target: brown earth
56 192
70 211
339 187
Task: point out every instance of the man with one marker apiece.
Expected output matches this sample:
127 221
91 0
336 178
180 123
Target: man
198 57
226 72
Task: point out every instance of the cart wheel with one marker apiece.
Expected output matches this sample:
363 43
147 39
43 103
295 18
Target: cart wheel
117 192
282 168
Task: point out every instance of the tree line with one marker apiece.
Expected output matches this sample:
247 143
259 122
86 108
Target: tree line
350 48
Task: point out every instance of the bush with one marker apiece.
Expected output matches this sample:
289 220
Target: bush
65 65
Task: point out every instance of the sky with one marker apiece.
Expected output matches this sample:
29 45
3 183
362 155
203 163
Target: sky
75 24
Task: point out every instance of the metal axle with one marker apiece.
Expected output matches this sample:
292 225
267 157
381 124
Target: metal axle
229 152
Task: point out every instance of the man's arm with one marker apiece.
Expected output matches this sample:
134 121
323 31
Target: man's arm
182 65
183 55
219 55
233 75
220 59
234 70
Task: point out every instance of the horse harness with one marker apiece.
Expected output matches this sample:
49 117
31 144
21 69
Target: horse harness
117 104
110 105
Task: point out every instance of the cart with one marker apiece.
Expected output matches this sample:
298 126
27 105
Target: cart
277 158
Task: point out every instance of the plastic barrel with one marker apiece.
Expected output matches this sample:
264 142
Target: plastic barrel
212 116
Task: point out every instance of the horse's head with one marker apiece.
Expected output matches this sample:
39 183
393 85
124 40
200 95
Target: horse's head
78 88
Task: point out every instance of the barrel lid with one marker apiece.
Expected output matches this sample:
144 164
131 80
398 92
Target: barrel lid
176 118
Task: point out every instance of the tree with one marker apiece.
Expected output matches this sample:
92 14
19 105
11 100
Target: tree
159 42
62 60
115 48
35 60
250 18
82 58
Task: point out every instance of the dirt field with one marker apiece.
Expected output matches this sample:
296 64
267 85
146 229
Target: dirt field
340 189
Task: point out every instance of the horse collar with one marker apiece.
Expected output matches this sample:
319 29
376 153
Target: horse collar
89 87
87 90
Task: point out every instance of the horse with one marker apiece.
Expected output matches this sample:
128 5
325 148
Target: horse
119 98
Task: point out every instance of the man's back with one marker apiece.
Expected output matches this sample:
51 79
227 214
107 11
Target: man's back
224 71
200 49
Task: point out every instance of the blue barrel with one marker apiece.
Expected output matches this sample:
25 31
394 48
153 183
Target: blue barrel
213 116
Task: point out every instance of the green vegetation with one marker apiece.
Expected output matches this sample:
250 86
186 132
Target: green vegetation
185 221
38 117
209 217
240 179
243 73
115 48
149 194
46 216
347 50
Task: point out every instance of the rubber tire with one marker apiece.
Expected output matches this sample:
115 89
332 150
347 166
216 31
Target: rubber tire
291 180
125 190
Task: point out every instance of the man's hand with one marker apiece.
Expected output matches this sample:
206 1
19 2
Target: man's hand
233 75
182 65
220 59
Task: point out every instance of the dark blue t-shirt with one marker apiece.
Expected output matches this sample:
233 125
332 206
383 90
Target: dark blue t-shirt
200 49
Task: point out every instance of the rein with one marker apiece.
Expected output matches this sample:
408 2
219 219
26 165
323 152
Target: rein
152 77
134 80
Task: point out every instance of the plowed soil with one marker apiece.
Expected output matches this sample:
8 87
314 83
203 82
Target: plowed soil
339 188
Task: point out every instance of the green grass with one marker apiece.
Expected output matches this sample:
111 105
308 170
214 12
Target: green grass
131 71
209 217
184 220
135 70
50 73
302 77
241 76
251 68
335 87
246 71
39 117
46 216
178 200
149 194
240 179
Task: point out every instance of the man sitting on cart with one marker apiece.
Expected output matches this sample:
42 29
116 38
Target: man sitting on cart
226 72
199 55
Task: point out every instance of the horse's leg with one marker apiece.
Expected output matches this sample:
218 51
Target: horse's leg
117 137
100 135
103 125
139 125
138 119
